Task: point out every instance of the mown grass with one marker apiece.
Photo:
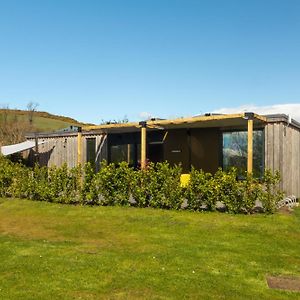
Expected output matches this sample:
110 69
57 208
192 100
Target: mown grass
53 251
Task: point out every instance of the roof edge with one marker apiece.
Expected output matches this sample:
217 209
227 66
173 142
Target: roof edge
277 118
102 129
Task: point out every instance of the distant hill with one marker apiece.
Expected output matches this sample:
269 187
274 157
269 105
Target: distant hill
15 124
41 121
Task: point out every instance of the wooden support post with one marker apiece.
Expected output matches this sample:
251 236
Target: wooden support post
250 147
143 144
36 159
128 153
79 146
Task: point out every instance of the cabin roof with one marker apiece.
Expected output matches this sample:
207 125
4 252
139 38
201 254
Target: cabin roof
203 121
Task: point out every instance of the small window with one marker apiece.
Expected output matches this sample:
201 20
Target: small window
91 150
235 150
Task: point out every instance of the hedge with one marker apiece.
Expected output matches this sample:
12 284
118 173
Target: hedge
158 186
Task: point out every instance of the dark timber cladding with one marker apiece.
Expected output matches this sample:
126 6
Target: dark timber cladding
190 142
176 148
194 147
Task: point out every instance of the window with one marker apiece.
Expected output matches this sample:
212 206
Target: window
235 151
91 150
125 152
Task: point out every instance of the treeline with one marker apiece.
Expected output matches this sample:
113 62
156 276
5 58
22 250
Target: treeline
158 186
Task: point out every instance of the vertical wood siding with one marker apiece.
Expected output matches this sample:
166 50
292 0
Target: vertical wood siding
282 152
59 150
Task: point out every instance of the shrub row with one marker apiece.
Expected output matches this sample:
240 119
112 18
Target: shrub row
158 186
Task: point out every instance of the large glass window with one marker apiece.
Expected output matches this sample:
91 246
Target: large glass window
119 153
235 151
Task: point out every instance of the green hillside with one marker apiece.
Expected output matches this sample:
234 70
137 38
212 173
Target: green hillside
41 121
16 124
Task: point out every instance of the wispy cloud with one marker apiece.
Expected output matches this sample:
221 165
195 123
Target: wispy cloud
145 115
289 109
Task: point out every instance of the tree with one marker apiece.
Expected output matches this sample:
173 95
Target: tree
12 128
119 121
31 107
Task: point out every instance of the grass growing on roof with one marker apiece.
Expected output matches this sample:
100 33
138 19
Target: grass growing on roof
52 251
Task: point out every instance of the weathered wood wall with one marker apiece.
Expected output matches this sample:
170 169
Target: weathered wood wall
63 149
282 152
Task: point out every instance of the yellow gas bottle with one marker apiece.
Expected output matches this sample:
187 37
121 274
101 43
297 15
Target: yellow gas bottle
184 180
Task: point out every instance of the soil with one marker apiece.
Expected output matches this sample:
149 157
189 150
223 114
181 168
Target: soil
284 283
285 210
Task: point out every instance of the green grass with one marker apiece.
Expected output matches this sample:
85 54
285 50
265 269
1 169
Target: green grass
52 251
42 121
47 124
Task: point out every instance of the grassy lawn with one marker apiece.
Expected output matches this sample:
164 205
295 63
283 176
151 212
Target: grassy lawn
52 251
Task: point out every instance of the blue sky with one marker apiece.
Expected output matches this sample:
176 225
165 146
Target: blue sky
95 60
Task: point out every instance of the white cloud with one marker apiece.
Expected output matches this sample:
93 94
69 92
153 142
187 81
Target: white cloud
145 115
289 109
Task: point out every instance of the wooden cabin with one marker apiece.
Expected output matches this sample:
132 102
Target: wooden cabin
247 141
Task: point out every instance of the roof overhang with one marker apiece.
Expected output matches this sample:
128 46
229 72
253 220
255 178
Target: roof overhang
207 121
230 121
282 118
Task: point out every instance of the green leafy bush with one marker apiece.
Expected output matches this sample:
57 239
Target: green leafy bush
229 190
201 192
140 187
64 184
239 196
88 177
164 190
36 186
157 186
270 194
111 185
7 173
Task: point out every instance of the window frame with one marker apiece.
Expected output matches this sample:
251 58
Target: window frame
243 130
